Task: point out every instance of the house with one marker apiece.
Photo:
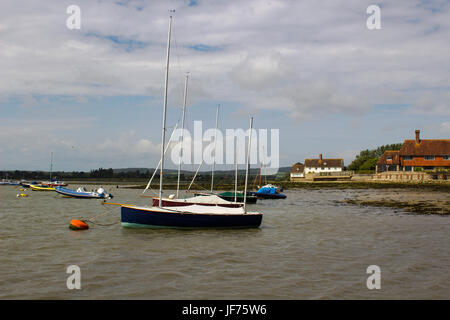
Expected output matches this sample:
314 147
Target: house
418 154
297 171
320 165
389 161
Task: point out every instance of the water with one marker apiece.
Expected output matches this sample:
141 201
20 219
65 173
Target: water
309 247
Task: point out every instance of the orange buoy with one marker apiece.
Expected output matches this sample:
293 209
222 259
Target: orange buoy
78 225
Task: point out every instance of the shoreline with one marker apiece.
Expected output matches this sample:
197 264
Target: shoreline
443 186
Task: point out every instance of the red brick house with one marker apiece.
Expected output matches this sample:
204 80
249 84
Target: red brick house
389 161
426 154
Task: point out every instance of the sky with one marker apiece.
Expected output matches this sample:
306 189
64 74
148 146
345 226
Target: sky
312 69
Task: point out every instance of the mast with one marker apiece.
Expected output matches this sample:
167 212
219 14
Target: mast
215 151
235 175
248 162
182 132
164 115
159 163
51 165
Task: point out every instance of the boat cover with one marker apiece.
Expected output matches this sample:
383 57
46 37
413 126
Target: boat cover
209 199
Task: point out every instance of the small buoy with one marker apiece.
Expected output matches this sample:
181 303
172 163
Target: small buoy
78 225
22 195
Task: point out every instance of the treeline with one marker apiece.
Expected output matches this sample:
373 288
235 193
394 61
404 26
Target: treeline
110 174
61 175
366 161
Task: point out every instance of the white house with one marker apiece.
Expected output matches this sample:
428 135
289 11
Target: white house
321 165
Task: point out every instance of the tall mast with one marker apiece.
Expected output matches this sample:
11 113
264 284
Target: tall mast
235 175
215 151
248 162
51 165
182 132
164 115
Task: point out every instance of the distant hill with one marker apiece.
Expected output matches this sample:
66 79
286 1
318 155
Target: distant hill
171 171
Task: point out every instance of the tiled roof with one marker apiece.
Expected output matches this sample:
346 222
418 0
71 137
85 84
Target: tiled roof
324 163
298 167
394 155
431 147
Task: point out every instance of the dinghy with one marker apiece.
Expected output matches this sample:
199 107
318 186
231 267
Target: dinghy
269 192
35 187
100 193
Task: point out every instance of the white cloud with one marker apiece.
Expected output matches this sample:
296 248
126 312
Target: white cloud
445 127
305 59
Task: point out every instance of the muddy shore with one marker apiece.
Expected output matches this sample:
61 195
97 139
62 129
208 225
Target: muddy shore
408 201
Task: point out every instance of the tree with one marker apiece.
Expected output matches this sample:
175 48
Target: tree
369 158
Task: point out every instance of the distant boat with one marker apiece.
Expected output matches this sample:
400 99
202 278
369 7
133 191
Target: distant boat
239 196
54 184
100 193
269 192
26 184
9 183
190 216
41 188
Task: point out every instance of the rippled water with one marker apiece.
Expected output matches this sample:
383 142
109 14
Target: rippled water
309 247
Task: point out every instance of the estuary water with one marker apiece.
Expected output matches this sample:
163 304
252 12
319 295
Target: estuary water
309 246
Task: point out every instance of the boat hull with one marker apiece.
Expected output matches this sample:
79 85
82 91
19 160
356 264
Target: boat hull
38 188
81 195
240 198
269 195
147 218
174 203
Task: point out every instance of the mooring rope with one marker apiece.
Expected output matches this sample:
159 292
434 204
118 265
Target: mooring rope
91 219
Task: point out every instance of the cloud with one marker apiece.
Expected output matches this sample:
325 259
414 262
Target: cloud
306 60
445 127
259 72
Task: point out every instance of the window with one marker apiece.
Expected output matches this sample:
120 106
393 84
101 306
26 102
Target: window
447 157
429 157
408 157
389 158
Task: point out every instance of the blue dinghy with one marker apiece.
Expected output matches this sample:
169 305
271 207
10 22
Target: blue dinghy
100 193
269 192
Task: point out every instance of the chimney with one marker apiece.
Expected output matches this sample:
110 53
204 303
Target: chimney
320 157
417 136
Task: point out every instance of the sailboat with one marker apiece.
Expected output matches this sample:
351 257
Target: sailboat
189 216
206 199
237 197
50 185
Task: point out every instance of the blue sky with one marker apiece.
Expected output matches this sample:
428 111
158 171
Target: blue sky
313 70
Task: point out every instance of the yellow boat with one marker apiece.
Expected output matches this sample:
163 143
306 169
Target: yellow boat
40 188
